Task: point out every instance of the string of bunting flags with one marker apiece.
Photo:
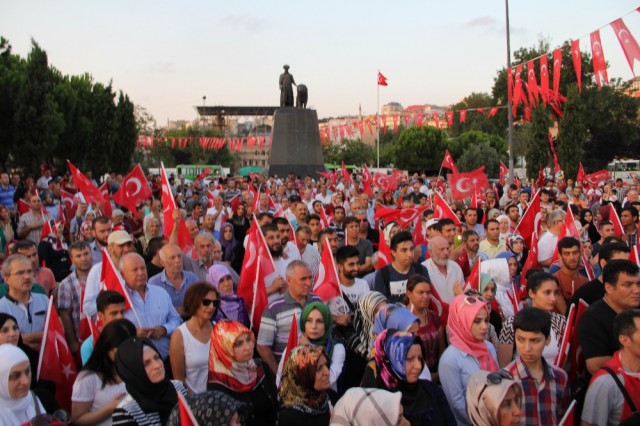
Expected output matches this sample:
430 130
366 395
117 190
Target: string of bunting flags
234 144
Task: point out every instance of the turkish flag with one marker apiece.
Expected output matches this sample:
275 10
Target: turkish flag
518 94
88 189
384 253
627 42
169 205
23 206
418 234
473 281
463 185
576 55
110 278
324 219
233 202
557 69
581 174
576 357
449 115
134 190
529 264
105 204
367 179
618 230
382 80
634 256
504 171
544 78
56 363
256 196
256 265
556 164
596 179
463 116
47 228
345 173
509 85
292 342
442 210
404 218
381 181
69 201
206 172
186 415
569 416
447 162
527 225
532 83
327 284
599 63
561 357
540 181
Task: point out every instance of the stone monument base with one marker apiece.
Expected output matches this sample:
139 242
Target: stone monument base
295 143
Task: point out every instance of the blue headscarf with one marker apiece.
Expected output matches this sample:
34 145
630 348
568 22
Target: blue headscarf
395 317
391 349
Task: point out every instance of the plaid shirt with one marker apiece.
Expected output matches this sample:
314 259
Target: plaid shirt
542 402
69 294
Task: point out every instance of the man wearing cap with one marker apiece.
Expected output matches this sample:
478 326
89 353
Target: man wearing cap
286 88
119 243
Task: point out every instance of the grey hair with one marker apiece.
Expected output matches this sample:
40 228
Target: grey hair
556 215
125 256
291 267
9 261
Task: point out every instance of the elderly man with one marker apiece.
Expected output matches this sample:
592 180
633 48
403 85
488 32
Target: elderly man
43 275
308 253
119 244
30 224
208 251
151 309
156 211
173 279
278 317
549 240
445 274
28 308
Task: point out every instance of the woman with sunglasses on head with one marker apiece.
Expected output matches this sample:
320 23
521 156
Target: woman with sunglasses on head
397 365
544 291
468 352
232 306
190 342
494 399
233 370
98 389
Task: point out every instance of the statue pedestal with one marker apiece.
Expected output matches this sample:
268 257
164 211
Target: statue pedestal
295 143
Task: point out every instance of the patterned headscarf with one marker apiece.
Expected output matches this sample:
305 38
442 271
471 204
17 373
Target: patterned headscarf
213 408
326 317
367 407
462 312
362 339
391 349
484 398
298 379
396 317
223 368
231 305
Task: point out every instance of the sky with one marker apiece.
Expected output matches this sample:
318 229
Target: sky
167 55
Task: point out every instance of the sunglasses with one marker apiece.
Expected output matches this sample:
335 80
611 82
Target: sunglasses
495 379
207 302
472 300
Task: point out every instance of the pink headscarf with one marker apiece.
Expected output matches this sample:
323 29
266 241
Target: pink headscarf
461 317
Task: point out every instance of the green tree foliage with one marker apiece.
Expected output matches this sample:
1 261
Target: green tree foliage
351 151
459 145
478 155
572 133
421 149
47 117
476 120
538 151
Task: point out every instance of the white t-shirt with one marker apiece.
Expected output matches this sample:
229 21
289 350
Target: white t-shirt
88 387
354 292
546 246
444 283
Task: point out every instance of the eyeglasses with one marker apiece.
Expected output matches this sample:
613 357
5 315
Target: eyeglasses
495 379
22 273
207 302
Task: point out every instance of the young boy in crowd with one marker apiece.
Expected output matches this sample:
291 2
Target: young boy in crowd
544 397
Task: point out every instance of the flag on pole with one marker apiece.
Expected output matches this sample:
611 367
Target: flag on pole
169 205
292 342
618 230
384 253
327 285
88 189
473 281
382 80
504 172
133 191
527 224
448 163
186 415
569 415
110 279
442 210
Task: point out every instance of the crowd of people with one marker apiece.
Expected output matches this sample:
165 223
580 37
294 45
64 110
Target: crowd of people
442 319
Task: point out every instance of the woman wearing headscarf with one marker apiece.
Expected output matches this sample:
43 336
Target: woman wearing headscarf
151 229
240 221
303 390
18 404
231 305
360 343
214 408
234 371
468 351
390 229
316 324
397 317
369 407
515 244
228 243
493 399
398 362
6 230
507 285
488 292
151 395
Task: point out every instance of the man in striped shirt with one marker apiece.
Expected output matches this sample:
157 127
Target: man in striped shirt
278 317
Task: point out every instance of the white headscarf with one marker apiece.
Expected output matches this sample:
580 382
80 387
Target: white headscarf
13 411
367 407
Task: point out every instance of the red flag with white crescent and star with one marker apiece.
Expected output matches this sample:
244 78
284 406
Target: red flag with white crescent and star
105 203
628 43
169 205
384 253
504 172
576 56
581 174
596 179
324 219
382 80
134 190
327 285
599 63
448 163
404 217
367 180
527 224
473 281
441 209
532 83
618 230
69 201
56 363
464 185
88 189
557 69
544 78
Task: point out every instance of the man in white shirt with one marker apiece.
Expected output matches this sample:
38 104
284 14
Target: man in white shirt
549 240
352 287
445 274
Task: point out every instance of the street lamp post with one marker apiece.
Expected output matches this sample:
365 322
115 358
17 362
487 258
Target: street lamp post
509 106
204 102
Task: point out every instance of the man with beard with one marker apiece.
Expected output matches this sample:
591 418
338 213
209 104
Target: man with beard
289 248
352 286
568 275
101 227
445 274
469 255
275 282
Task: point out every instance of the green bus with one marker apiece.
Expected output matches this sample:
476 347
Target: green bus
191 171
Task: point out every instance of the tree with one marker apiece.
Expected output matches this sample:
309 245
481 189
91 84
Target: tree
475 120
482 154
459 145
538 150
350 151
572 133
12 74
126 133
421 149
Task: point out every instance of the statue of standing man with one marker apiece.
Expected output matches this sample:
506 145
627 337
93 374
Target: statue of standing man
286 88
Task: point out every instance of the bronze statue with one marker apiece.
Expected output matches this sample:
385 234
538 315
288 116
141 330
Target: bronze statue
286 88
303 96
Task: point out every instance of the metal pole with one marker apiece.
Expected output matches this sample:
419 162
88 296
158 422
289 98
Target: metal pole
509 106
378 122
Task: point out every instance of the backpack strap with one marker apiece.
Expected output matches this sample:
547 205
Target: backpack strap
626 395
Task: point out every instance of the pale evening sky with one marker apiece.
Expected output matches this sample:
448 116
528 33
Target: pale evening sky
168 55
